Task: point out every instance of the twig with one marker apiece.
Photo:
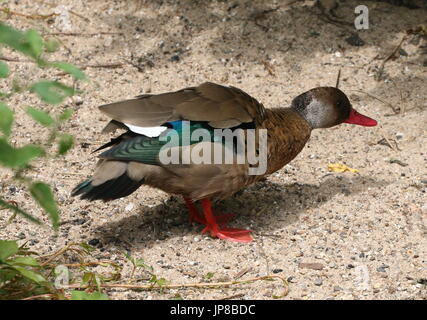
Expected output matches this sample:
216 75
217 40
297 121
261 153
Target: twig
48 295
400 163
102 65
337 83
83 264
381 68
30 16
79 15
185 285
386 139
82 34
234 296
13 59
241 273
375 97
402 109
52 256
383 142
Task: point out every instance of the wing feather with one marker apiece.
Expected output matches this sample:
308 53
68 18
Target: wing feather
211 102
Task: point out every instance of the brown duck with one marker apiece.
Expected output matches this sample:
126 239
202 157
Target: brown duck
158 126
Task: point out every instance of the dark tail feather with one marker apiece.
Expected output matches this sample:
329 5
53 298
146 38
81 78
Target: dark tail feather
109 190
83 187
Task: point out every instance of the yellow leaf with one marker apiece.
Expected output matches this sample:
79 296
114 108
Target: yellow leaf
339 167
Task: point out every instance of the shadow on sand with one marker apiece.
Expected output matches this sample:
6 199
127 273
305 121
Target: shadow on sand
266 206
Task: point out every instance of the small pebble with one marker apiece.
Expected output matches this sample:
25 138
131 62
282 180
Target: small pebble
79 221
93 242
382 268
399 135
318 282
129 207
78 100
84 145
355 40
402 52
175 58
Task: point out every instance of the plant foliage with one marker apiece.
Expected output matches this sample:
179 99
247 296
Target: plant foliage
22 272
18 159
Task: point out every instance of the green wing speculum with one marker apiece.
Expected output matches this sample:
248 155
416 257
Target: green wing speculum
146 149
141 149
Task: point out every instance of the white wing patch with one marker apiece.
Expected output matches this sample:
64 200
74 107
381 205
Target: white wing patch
146 131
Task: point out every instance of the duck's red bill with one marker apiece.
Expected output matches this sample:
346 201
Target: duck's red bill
358 118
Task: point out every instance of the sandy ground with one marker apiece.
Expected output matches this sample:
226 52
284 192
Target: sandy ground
366 231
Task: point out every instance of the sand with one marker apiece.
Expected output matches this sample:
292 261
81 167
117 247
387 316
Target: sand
366 232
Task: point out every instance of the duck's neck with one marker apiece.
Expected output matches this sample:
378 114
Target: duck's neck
287 133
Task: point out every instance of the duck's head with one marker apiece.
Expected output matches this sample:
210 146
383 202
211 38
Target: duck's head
325 107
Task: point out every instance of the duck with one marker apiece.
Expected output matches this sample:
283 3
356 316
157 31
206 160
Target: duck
161 130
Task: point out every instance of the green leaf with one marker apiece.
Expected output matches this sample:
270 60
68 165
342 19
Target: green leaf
97 281
7 275
19 211
25 261
82 295
129 257
140 263
65 115
51 45
6 119
161 282
42 193
13 38
18 157
7 248
52 92
28 43
35 42
4 70
65 143
86 247
71 69
87 276
34 276
40 116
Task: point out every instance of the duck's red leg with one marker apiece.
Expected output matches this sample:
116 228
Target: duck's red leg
194 215
213 227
